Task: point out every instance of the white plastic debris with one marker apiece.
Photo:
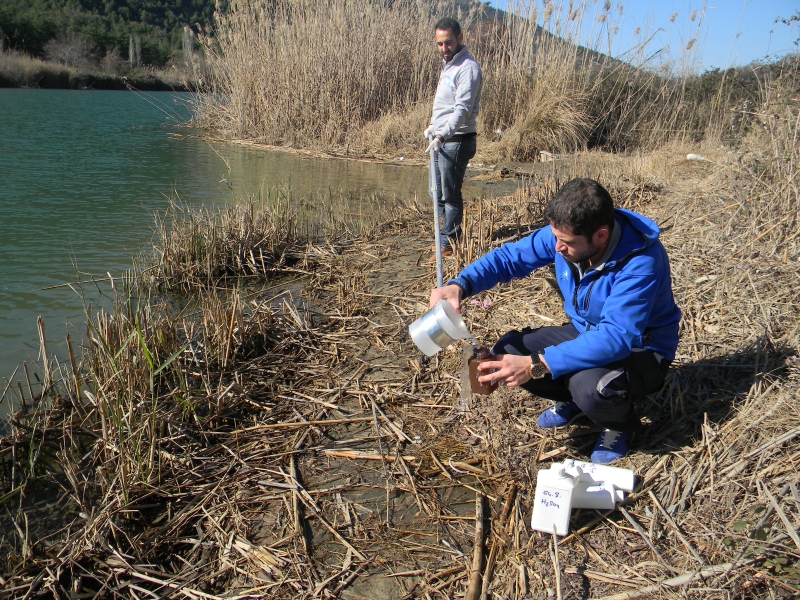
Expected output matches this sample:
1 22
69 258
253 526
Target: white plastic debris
576 484
695 157
545 156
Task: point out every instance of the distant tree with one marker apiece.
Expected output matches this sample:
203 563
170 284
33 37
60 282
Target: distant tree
112 62
71 50
134 50
28 25
188 49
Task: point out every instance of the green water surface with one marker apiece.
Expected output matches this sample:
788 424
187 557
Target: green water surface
81 174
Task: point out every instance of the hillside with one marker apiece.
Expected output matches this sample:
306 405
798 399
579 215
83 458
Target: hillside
105 26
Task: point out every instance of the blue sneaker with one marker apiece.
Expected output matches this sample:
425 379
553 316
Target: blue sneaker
610 446
557 415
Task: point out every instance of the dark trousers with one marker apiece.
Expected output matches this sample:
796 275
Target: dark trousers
606 394
451 165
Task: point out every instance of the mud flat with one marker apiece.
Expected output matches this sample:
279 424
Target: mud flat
305 448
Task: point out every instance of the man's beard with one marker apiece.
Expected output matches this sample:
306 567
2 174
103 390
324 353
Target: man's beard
452 56
585 255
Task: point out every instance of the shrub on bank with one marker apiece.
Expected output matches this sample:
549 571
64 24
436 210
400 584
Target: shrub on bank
20 70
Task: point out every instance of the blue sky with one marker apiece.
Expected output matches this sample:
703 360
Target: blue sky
726 32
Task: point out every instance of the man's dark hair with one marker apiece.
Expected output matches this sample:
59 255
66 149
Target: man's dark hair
581 206
448 23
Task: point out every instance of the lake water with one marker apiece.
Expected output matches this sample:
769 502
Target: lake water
81 174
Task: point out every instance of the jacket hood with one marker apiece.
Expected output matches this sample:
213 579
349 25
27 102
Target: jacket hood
647 227
638 234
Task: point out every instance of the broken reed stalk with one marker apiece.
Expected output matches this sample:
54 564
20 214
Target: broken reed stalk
475 577
675 582
170 448
43 356
556 565
644 535
498 537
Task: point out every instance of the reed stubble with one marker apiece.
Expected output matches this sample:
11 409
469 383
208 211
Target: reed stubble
288 449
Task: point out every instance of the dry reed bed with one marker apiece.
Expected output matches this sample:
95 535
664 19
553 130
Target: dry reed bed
364 86
270 450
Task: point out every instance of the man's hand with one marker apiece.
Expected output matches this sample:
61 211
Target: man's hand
512 368
451 293
435 145
429 133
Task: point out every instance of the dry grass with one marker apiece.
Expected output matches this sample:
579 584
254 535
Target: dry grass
263 442
20 70
255 238
359 80
261 448
301 71
291 73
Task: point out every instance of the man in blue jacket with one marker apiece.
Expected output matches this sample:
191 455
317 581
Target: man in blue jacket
614 276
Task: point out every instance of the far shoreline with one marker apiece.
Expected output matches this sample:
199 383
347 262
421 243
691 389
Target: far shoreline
66 80
20 71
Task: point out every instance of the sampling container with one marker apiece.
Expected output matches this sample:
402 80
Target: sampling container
480 354
576 484
438 328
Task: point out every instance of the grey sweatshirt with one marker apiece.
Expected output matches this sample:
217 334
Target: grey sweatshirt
458 97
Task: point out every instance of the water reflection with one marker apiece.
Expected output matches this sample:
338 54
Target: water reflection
84 171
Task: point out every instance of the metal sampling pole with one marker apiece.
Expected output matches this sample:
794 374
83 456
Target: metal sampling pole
432 176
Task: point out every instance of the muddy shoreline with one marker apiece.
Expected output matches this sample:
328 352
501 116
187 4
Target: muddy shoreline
317 452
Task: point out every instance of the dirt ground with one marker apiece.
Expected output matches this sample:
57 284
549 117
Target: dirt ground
412 514
337 461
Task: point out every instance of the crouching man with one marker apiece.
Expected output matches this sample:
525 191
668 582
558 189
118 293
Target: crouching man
614 276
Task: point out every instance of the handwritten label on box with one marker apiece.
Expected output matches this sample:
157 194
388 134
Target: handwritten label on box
551 508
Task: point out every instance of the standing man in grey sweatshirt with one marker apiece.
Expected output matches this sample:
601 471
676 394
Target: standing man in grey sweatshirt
452 130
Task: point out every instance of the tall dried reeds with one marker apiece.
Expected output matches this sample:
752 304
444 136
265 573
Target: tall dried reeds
228 445
255 237
305 72
360 78
247 447
537 85
18 69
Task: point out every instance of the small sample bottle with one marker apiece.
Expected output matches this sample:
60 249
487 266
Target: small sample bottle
480 354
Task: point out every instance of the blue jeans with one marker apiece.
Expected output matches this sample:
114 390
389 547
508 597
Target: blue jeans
606 394
451 164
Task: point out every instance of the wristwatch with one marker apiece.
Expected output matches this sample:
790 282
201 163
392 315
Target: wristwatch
536 370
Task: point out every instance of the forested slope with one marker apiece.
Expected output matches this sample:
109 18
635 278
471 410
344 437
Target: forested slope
28 25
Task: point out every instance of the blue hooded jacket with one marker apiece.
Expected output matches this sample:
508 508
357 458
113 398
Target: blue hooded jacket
619 306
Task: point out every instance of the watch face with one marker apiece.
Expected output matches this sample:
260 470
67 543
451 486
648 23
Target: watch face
537 369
